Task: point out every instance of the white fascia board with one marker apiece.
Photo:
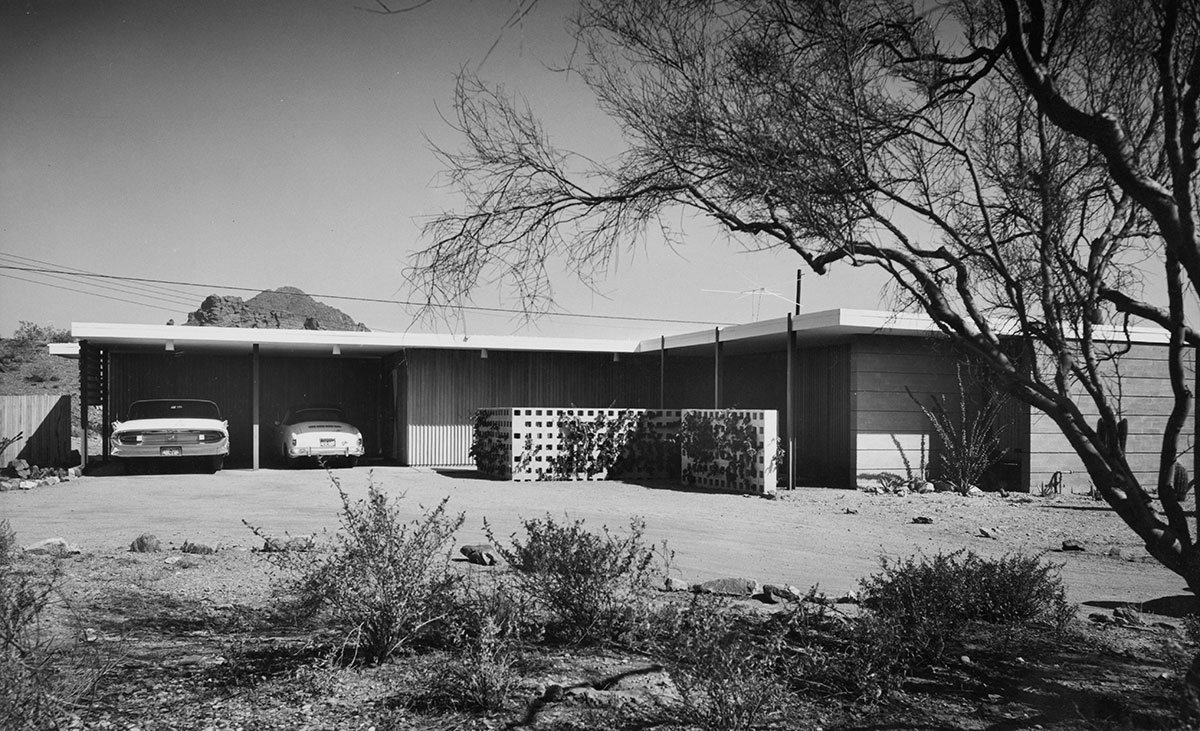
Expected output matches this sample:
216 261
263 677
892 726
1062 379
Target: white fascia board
833 322
378 341
64 350
844 322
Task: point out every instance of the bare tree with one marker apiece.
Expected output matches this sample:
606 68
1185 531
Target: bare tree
1013 165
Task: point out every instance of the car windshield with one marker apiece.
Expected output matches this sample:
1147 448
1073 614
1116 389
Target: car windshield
315 415
174 409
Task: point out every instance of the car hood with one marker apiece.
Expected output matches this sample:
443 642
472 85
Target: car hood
153 424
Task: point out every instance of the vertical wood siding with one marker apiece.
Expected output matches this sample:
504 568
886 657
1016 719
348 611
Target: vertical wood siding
351 383
1141 386
45 421
223 379
445 387
285 383
824 442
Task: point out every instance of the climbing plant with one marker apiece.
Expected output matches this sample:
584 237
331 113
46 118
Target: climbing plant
720 445
621 445
489 448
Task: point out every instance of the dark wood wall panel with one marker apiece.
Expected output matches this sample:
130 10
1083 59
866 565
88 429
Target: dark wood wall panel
351 383
445 387
222 379
824 443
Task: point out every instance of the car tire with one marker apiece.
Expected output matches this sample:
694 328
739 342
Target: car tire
216 463
350 461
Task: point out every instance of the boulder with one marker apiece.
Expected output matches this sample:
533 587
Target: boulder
200 549
728 587
1072 545
56 547
481 554
276 544
775 593
19 467
672 583
146 543
1127 615
850 597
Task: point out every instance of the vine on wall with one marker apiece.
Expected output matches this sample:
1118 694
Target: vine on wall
721 449
721 446
489 447
625 445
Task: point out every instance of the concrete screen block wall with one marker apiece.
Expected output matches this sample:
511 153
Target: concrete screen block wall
522 444
762 478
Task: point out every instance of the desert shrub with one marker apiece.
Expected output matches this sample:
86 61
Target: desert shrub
40 374
29 677
915 609
478 673
31 333
970 435
381 581
921 604
727 674
588 582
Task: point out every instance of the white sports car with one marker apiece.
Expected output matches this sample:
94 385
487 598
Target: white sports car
321 433
171 429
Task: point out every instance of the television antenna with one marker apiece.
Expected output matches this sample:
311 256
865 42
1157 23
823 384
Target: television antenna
756 295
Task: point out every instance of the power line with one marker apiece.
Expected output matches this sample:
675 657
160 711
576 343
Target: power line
374 300
149 290
175 299
92 294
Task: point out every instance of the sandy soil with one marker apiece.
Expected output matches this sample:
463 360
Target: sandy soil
829 538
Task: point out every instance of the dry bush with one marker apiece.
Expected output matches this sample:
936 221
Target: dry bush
590 583
381 581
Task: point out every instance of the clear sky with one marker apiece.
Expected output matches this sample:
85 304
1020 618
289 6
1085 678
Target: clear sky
243 145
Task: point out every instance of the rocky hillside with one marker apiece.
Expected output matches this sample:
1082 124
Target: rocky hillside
26 367
283 308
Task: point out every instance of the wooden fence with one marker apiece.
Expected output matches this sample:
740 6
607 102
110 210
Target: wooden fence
45 422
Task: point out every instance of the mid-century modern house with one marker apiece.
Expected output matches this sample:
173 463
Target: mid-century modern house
839 379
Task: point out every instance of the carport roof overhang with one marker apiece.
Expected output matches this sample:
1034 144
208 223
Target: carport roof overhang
233 340
815 328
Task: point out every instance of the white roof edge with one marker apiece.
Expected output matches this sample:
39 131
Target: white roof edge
183 334
64 350
851 321
835 322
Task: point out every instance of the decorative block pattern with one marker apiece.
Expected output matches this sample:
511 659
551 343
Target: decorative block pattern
525 440
764 477
520 444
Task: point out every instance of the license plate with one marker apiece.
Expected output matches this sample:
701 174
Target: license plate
170 451
327 442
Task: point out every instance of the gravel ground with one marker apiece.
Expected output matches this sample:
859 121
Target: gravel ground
829 538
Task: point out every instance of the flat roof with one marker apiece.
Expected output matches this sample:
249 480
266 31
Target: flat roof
811 328
317 342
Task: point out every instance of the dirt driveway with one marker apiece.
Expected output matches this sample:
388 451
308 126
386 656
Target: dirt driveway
807 537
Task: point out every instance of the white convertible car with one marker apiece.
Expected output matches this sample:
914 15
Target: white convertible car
320 433
171 429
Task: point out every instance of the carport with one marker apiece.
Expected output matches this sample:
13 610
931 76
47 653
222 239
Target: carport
256 375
